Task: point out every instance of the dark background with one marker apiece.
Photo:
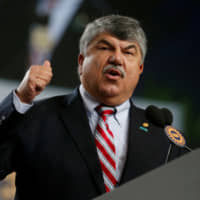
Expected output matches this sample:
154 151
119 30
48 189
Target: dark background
172 64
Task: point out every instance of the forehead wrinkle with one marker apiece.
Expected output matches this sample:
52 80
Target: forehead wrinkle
105 41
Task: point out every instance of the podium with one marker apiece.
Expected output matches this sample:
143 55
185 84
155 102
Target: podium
177 180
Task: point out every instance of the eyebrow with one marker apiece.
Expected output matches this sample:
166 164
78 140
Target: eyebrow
104 41
131 46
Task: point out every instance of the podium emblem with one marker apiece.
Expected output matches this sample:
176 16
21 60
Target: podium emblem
175 136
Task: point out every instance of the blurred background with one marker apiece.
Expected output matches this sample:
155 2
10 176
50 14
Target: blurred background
35 30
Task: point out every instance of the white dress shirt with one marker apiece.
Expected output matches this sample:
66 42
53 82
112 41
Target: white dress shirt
118 124
19 105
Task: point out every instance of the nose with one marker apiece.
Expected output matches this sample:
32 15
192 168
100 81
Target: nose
115 58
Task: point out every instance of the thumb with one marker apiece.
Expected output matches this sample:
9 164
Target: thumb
47 63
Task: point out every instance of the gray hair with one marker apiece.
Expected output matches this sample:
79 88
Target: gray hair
122 27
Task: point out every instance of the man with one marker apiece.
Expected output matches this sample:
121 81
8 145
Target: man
57 147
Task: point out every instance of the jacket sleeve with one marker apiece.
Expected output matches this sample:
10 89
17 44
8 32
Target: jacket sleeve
6 109
9 120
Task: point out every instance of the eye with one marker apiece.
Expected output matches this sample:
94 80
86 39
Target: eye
129 53
103 48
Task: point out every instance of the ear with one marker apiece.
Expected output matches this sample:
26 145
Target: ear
80 63
141 68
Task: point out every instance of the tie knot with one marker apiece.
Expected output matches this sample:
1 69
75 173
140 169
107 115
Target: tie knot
105 110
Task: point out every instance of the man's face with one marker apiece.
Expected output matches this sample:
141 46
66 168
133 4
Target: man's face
109 85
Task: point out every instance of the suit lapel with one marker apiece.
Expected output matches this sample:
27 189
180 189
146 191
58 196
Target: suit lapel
135 138
76 121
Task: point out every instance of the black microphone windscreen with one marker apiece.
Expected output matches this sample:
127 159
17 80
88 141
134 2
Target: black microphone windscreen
168 116
155 115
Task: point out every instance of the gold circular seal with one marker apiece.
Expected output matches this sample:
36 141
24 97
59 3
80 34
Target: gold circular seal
175 136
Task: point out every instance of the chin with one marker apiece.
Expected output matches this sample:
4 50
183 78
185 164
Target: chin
110 91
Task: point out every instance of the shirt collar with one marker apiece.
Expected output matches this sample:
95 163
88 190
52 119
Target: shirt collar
91 103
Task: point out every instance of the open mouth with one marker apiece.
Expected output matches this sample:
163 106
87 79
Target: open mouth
113 72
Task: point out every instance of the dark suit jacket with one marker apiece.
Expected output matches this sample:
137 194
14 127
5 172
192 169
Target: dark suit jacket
52 149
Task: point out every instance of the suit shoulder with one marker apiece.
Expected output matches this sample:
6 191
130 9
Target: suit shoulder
50 104
139 112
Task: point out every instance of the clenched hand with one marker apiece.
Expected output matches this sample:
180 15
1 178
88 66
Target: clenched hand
34 82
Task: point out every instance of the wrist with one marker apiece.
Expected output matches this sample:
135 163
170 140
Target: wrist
24 98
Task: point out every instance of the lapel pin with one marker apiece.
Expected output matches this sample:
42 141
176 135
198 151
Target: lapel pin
144 127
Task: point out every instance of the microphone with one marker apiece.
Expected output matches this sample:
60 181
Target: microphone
159 117
164 118
168 116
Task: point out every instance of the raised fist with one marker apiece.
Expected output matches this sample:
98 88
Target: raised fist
34 82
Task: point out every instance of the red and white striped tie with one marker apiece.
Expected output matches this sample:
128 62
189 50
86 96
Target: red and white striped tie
104 140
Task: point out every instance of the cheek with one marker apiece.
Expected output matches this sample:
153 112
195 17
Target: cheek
94 65
133 76
90 69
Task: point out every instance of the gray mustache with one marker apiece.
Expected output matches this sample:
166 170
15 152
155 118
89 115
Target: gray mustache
117 67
